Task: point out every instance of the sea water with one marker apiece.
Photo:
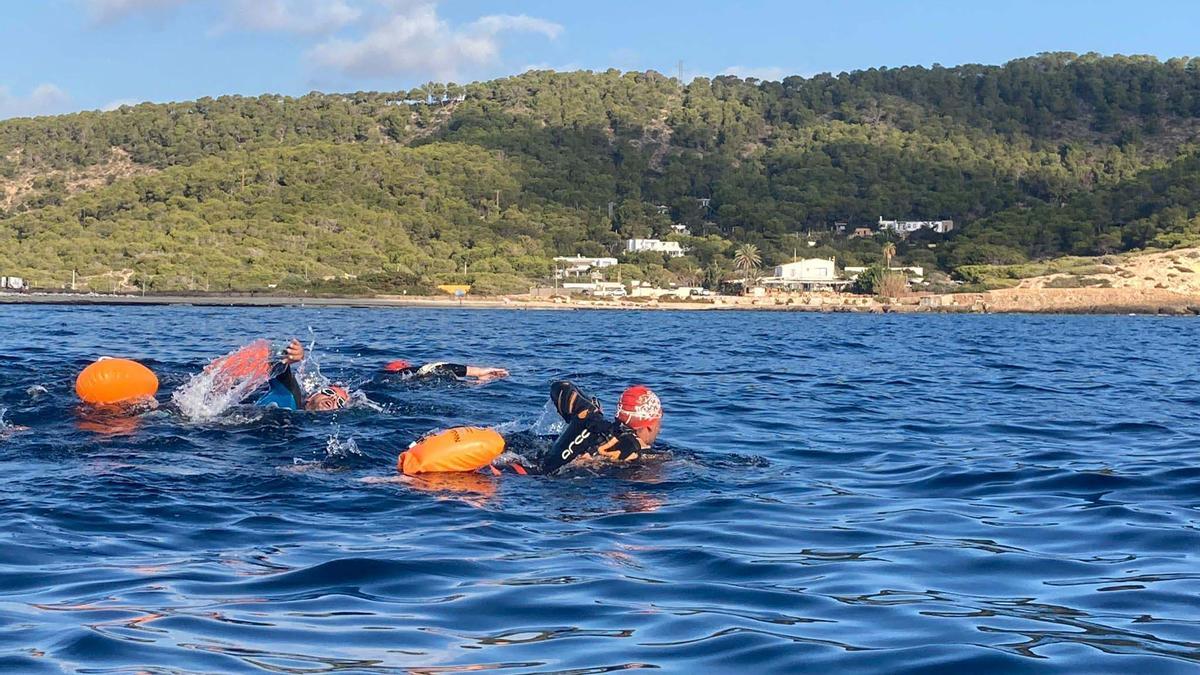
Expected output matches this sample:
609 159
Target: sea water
840 493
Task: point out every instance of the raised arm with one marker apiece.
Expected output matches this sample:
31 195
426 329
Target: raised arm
283 380
571 402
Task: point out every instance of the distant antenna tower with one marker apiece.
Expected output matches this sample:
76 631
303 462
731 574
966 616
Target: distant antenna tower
680 65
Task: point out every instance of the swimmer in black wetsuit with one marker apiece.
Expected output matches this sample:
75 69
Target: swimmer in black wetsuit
408 371
636 426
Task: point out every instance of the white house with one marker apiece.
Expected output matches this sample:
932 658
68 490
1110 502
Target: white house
907 227
810 274
12 283
671 248
809 269
577 265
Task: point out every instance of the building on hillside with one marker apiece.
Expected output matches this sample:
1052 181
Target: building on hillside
671 248
12 283
907 227
576 265
681 229
599 289
913 273
810 274
853 272
862 232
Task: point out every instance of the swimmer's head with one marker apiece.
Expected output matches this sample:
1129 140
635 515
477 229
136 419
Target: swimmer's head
640 410
332 397
397 365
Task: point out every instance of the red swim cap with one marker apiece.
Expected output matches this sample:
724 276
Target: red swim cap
639 407
396 366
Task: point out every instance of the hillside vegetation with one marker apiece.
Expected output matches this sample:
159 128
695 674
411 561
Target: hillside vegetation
1053 155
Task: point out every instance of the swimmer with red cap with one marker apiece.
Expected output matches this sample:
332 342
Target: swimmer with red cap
441 369
286 391
637 423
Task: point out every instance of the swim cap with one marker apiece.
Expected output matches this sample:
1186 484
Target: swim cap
397 365
639 407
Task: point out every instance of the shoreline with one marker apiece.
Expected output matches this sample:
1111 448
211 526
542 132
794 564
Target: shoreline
1010 301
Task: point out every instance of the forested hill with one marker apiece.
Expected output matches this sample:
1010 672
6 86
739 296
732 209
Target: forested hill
486 182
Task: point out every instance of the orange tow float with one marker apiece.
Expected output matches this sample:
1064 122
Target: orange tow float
458 449
111 380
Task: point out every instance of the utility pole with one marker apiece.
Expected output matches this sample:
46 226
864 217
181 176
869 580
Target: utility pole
497 200
72 280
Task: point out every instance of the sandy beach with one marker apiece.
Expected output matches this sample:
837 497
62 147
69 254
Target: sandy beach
1013 300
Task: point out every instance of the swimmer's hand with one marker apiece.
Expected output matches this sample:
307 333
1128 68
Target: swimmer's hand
483 373
294 352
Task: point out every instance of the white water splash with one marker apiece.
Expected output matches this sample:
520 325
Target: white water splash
213 391
3 425
549 423
336 448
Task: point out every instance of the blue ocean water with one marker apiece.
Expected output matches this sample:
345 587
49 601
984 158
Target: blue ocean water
842 493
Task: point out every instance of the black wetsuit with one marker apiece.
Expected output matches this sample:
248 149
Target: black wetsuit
587 431
431 370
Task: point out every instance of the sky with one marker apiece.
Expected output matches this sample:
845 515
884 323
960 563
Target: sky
68 55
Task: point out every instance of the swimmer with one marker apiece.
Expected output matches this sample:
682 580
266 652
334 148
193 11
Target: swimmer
407 371
635 427
286 392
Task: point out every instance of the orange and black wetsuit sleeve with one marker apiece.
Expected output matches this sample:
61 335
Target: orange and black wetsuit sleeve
571 402
623 447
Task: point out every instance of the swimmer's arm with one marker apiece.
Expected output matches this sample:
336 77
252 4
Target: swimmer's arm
570 401
621 448
483 372
285 380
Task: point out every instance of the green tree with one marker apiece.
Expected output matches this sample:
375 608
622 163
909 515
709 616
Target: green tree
889 251
747 260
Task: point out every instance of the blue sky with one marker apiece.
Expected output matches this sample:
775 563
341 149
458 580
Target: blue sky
65 55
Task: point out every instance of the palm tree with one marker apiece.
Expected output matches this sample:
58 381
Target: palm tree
746 259
889 252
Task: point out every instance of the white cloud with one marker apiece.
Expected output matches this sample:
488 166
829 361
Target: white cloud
119 103
45 99
416 40
772 73
290 16
112 10
498 23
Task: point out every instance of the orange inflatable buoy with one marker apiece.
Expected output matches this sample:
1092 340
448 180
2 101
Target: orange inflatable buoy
458 449
109 381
